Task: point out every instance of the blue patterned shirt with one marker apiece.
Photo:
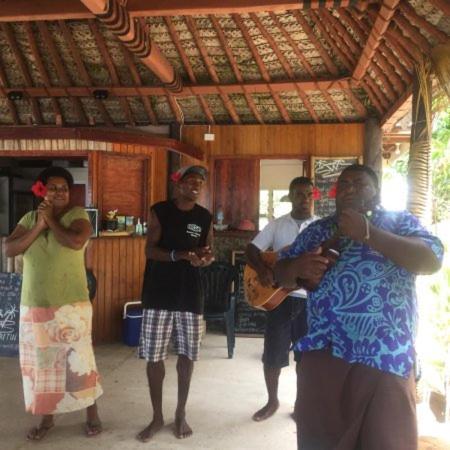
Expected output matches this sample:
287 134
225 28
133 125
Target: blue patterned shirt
365 307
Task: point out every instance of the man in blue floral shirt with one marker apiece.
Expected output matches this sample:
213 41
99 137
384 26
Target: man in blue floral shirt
356 381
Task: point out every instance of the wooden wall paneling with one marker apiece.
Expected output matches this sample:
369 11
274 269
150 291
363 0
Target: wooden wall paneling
279 140
236 189
159 175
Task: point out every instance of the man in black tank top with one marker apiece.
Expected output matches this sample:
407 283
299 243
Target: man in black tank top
179 242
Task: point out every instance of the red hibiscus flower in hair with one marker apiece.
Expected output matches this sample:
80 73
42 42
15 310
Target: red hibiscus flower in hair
317 195
332 191
176 176
39 189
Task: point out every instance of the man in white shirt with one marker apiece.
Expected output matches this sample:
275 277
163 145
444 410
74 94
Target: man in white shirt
287 322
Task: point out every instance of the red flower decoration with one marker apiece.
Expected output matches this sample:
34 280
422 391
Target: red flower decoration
317 195
176 176
332 191
39 189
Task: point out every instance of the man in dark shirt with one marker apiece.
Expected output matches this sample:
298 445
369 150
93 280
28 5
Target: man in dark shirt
178 243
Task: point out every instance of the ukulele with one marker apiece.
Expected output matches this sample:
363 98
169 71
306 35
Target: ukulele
268 298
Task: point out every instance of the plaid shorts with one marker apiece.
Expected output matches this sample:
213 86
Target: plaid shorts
158 326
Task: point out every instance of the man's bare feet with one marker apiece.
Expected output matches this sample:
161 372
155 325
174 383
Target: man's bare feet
266 412
182 429
38 433
148 432
93 428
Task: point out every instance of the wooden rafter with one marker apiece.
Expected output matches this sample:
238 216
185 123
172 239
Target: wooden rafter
60 69
375 90
383 55
348 41
188 67
211 69
394 34
22 10
329 63
262 68
409 12
381 24
82 70
374 100
138 81
11 106
412 32
237 73
189 91
287 67
103 49
175 107
23 68
41 67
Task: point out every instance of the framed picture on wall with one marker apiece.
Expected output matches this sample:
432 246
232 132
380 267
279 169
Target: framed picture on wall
93 218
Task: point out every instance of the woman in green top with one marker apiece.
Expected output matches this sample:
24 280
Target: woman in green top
56 356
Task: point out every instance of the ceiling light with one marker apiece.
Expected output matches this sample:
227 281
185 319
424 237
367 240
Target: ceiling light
15 95
100 94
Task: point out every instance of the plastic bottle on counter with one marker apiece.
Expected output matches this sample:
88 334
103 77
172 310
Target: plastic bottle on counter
144 228
139 228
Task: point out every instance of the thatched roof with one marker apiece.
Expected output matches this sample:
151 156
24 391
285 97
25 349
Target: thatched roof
293 66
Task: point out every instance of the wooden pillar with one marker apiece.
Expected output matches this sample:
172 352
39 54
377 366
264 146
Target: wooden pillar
419 168
373 142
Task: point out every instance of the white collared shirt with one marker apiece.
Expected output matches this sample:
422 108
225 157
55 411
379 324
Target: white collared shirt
281 233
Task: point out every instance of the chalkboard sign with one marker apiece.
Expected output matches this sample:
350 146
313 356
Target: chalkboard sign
248 320
325 172
10 287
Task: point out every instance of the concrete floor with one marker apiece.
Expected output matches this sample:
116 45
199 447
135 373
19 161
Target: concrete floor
224 395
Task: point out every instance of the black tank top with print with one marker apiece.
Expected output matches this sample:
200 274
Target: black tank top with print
175 286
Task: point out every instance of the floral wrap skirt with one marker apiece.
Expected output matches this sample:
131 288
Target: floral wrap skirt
57 359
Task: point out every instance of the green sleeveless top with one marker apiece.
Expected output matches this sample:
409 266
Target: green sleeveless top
53 275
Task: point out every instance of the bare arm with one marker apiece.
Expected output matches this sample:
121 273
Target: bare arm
409 252
309 266
74 236
21 238
265 273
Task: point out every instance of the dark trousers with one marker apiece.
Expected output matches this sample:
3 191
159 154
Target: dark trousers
285 325
346 406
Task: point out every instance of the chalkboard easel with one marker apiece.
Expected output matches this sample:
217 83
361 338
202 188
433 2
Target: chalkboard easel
324 173
10 289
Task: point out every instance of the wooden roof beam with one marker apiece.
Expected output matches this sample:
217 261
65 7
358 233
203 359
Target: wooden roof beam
32 10
82 70
381 24
134 35
262 68
103 49
286 66
386 58
60 69
138 81
229 106
41 68
413 33
6 28
329 63
232 60
187 66
409 12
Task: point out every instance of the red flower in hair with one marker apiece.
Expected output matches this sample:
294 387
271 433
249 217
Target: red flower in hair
39 189
176 176
317 195
332 191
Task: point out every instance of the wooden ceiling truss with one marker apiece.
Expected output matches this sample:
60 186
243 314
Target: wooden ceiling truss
355 57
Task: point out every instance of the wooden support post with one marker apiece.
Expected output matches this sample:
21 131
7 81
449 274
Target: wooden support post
373 137
419 168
